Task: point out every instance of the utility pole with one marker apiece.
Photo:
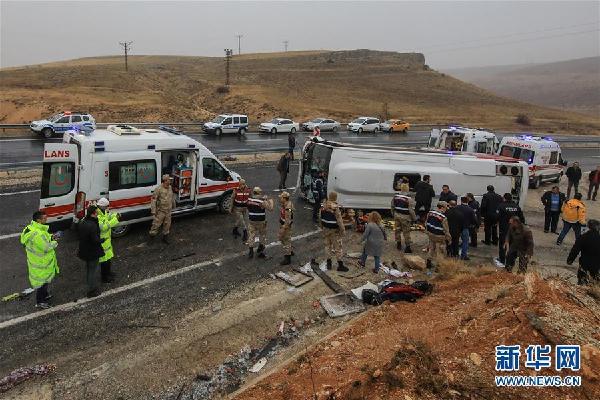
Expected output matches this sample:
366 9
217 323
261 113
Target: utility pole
126 46
285 44
228 54
239 38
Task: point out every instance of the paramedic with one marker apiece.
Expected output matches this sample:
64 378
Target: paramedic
286 219
506 210
438 232
41 258
573 215
588 245
573 176
163 202
403 210
106 221
332 226
553 202
257 214
239 207
90 248
518 244
424 193
489 210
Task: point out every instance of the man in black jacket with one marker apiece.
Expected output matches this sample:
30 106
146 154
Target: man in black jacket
447 195
506 210
474 204
291 144
424 193
469 220
90 249
489 211
553 202
588 245
283 167
573 176
456 224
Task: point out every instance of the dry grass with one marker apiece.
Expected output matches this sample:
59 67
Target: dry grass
341 84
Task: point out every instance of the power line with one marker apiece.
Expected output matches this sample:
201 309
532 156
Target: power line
511 42
126 47
508 35
239 38
285 44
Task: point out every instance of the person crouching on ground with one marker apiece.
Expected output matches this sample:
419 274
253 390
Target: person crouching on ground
373 239
518 244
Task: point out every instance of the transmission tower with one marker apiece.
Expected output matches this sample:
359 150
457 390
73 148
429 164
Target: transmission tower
126 47
285 44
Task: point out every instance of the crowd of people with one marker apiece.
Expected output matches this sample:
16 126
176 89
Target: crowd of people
452 228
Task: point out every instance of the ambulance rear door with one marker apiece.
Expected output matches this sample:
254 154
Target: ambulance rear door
60 177
132 178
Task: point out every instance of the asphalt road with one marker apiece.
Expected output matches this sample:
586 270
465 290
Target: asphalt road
18 153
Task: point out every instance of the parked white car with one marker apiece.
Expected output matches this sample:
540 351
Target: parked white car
62 122
324 124
365 124
277 125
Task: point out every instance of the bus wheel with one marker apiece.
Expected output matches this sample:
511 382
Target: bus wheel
225 203
121 230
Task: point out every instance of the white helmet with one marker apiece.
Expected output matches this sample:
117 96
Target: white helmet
103 202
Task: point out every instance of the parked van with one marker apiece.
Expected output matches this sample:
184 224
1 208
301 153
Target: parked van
458 138
542 154
227 123
125 164
366 177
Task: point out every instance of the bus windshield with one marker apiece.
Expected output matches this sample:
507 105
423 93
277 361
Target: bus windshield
519 153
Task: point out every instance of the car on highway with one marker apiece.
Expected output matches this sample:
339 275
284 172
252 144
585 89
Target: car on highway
62 122
395 125
365 124
324 124
277 125
227 123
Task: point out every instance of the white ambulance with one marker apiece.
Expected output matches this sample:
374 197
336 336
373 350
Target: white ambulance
125 164
366 177
458 138
542 154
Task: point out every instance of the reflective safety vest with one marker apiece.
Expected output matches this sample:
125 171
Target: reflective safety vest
328 219
435 221
106 221
401 204
41 257
256 211
241 197
282 216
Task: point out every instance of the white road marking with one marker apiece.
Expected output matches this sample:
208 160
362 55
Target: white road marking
286 189
264 140
85 301
10 235
21 162
21 192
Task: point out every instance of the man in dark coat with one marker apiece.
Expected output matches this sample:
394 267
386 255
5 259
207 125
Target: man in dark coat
588 245
489 211
90 249
553 202
283 167
469 220
424 193
474 204
506 210
447 195
291 144
594 178
456 224
573 176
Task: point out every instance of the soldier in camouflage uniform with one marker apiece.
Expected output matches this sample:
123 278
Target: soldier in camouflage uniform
163 202
257 214
330 219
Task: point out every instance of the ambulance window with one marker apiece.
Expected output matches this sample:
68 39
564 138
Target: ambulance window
131 174
236 120
214 171
58 179
553 157
63 120
412 179
76 118
481 147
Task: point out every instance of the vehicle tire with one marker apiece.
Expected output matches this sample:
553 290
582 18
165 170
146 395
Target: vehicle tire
225 202
273 131
120 231
360 130
334 130
242 131
218 132
47 133
391 130
293 130
405 131
375 130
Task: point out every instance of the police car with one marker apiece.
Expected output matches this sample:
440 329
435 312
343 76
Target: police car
62 122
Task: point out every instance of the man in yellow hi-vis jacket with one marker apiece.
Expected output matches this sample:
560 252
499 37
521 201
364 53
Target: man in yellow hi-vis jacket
106 221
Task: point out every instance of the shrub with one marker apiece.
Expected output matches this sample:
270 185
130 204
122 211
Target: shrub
523 119
223 89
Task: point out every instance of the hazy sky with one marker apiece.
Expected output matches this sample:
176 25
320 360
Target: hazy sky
449 33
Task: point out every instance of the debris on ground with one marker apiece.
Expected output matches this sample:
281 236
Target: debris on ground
18 295
293 278
358 291
337 305
23 374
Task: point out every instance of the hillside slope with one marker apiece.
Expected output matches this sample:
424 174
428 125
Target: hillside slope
341 84
570 85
